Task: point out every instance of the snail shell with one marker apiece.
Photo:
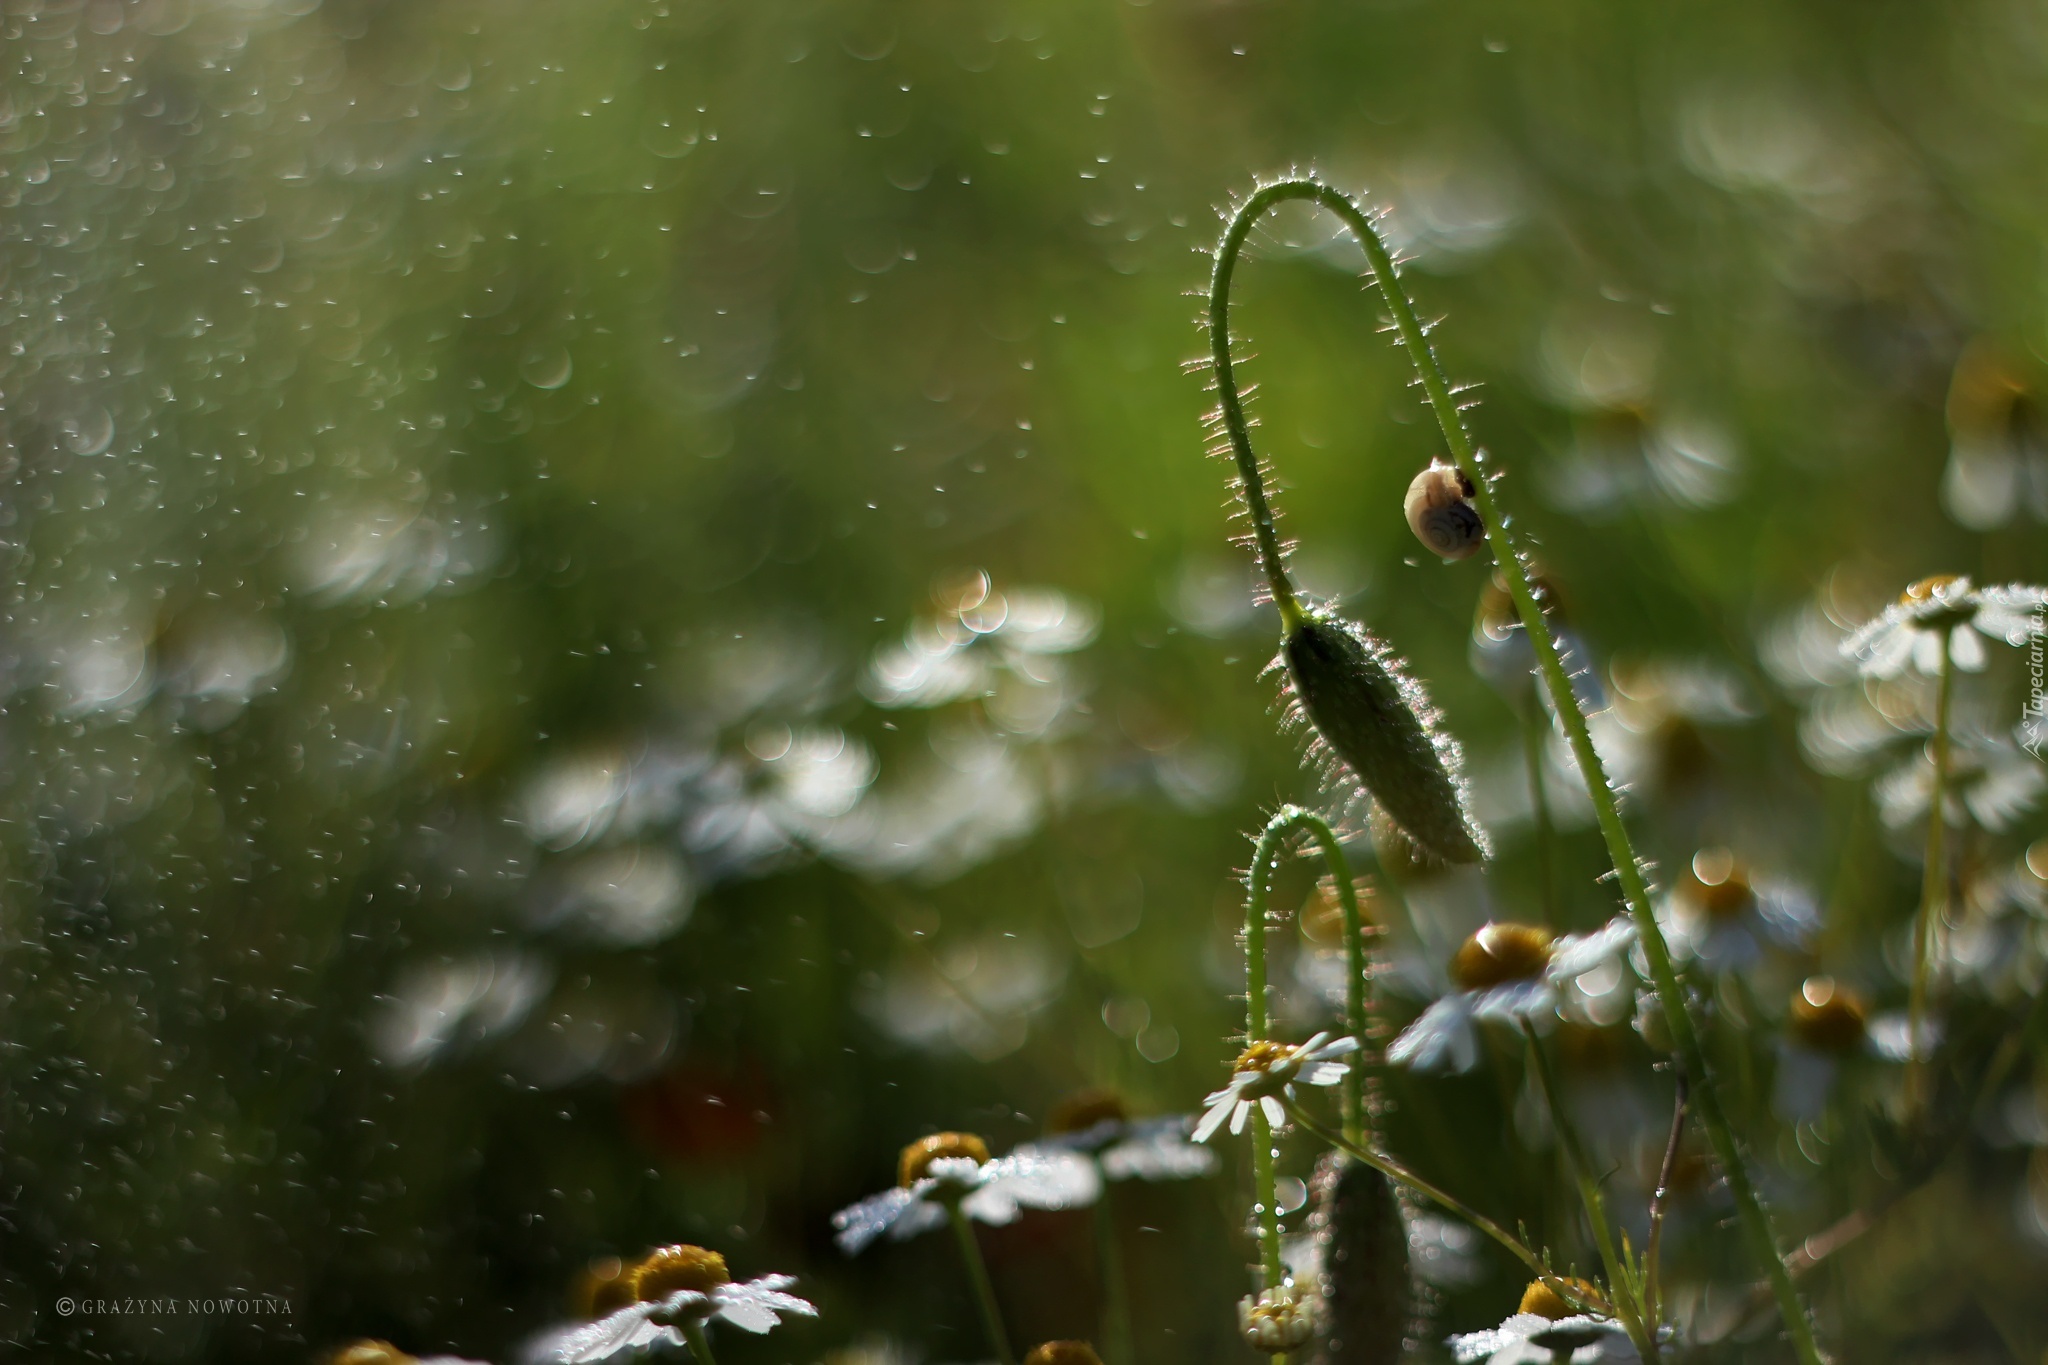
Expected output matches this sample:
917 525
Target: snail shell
1440 512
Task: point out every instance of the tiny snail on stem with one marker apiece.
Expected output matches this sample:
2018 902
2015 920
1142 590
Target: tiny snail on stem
1440 512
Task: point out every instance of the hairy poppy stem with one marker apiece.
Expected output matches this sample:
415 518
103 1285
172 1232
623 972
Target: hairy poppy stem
1751 1214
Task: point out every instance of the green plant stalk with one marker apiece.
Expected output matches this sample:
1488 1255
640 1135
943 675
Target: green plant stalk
1754 1219
1653 1289
984 1289
1627 1306
699 1343
1266 1192
1933 892
1539 800
1265 855
1116 1297
1401 1175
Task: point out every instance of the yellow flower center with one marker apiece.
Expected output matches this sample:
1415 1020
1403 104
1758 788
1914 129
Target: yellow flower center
1927 589
669 1270
1063 1353
1260 1056
1545 1302
918 1157
1079 1112
1826 1016
1499 953
370 1351
1720 886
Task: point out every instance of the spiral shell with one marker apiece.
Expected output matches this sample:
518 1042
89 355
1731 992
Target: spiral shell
1440 512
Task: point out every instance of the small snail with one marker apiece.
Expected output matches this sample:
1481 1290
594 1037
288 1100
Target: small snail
1440 512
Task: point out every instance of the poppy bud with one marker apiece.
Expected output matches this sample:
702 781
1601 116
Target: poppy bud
1440 512
1366 1282
1381 725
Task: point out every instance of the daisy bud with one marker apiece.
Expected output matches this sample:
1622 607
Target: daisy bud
1826 1016
1062 1353
1545 1302
668 1270
1082 1110
1379 724
1440 512
918 1157
1279 1320
1358 1228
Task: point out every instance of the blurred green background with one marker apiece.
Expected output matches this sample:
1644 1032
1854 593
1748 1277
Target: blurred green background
613 609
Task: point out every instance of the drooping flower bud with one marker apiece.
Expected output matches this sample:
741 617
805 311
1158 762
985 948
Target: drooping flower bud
1440 512
1380 724
1366 1281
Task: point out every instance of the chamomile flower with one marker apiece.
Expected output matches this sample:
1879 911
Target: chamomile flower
1991 781
1544 1328
948 1170
1265 1073
1507 973
1098 1124
1910 631
1724 917
676 1288
1827 1025
1279 1320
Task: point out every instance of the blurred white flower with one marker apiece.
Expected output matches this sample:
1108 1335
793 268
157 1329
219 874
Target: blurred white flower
676 1287
953 1170
1507 973
1910 632
1722 917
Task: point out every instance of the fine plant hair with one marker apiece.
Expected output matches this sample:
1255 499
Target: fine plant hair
1391 767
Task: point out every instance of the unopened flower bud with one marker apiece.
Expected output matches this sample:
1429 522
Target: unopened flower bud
1380 724
1440 512
1366 1280
1279 1320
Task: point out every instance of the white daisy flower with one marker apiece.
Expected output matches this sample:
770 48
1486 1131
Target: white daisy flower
1096 1123
674 1289
1910 632
1827 1025
1508 973
954 1169
1991 780
1265 1072
1724 918
1546 1329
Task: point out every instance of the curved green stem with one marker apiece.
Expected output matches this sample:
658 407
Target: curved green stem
984 1289
1619 1281
1754 1219
1933 892
699 1343
1401 1175
1264 857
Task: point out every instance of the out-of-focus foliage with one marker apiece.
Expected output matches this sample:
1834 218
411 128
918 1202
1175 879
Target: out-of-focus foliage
611 609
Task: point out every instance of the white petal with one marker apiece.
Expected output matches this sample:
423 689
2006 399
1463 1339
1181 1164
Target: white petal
1041 1179
620 1333
1576 954
753 1307
1276 1113
1220 1105
1326 1073
1513 1002
1927 652
1443 1031
1157 1150
857 1225
1238 1114
1967 649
